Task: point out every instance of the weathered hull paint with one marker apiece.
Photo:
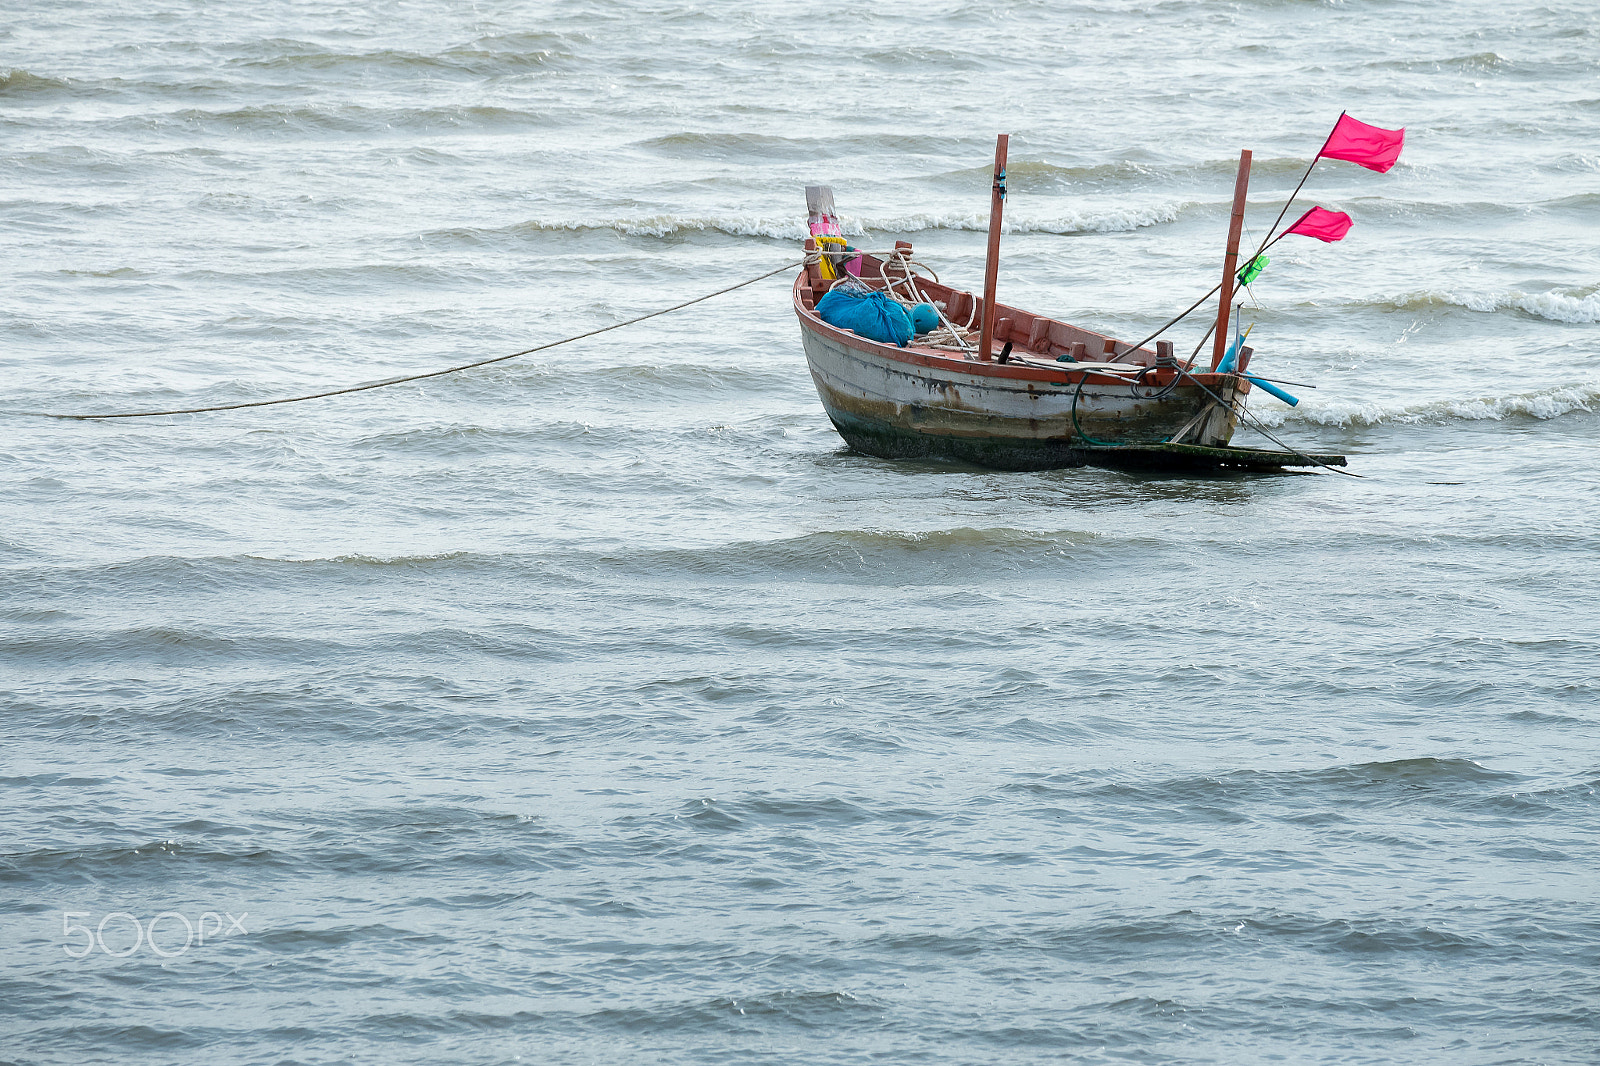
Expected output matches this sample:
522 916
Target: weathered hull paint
896 409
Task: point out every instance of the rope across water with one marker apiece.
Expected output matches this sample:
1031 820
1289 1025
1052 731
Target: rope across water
414 377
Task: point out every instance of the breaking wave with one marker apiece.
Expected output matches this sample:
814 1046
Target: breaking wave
1539 404
1555 305
1112 220
17 82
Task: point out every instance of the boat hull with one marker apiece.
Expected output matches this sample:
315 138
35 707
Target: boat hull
887 405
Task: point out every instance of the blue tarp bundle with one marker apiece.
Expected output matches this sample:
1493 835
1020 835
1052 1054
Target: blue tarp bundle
870 314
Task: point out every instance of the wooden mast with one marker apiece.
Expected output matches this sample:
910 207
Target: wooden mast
991 269
1230 262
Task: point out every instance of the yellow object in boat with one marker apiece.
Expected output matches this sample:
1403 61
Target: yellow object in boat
825 245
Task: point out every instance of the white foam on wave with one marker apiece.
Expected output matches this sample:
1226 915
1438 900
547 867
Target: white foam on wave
1556 306
679 225
1111 220
1553 305
1539 403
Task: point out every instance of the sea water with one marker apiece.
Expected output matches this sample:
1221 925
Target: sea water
600 706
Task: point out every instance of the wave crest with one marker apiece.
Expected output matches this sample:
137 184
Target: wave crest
1540 404
1555 305
1112 220
19 82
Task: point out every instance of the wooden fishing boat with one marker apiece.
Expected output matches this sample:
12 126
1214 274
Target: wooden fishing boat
1055 395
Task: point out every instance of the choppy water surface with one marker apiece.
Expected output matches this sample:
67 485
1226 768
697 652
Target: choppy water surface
601 707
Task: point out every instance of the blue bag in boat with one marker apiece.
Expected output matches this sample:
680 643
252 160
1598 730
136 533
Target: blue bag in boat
870 314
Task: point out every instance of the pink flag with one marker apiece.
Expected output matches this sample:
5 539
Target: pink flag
1364 145
1325 226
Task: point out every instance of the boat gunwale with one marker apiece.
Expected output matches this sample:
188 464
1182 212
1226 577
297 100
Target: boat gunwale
1155 377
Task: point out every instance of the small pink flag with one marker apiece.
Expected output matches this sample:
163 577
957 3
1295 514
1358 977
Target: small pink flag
1325 226
1364 145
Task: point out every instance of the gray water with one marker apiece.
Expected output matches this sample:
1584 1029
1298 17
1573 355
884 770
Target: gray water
600 706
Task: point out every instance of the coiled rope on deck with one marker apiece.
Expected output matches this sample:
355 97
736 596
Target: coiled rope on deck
415 377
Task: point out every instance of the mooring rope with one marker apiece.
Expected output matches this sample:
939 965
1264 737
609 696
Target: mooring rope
415 377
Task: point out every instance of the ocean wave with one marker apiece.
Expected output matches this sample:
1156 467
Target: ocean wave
1553 305
863 555
349 118
1392 208
1584 203
1110 220
22 83
1539 404
1223 798
484 59
1584 162
1216 174
695 381
218 575
820 1010
1023 173
922 56
19 86
1575 307
696 145
1406 775
1478 62
766 809
845 552
117 862
699 144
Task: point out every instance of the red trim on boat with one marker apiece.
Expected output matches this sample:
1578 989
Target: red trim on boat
938 360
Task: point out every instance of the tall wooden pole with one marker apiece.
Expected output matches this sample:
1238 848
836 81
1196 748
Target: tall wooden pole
991 269
1230 262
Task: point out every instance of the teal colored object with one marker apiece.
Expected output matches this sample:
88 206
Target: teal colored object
1226 366
870 314
1270 387
923 318
1232 355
